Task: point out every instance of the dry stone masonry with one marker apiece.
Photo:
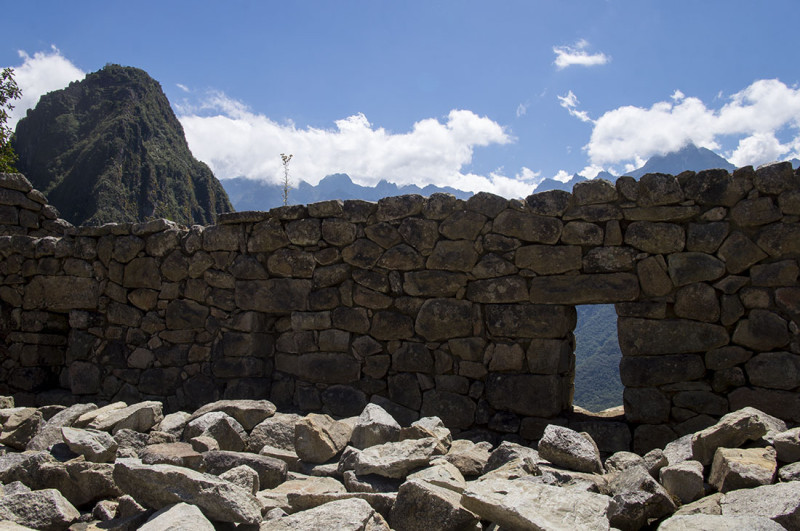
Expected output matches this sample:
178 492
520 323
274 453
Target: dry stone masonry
426 306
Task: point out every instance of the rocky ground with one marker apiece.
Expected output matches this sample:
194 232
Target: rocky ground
239 464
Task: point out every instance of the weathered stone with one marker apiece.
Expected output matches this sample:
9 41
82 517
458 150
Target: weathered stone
175 453
754 212
138 417
440 319
456 411
683 480
650 337
570 449
739 253
655 238
658 189
581 233
762 330
279 295
442 474
271 471
522 504
732 431
96 446
527 394
395 459
276 431
608 260
160 485
637 497
787 445
706 237
387 325
716 187
463 225
774 370
785 404
584 289
779 502
490 205
494 290
649 371
458 255
698 302
317 438
789 472
374 426
40 509
219 426
548 259
527 227
737 468
291 263
433 283
61 294
688 268
177 516
186 314
421 505
351 514
709 522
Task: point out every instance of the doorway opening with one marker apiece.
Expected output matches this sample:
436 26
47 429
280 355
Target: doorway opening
597 356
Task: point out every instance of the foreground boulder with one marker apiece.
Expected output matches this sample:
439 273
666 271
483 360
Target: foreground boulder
157 486
779 502
733 430
522 504
352 514
177 517
40 509
570 449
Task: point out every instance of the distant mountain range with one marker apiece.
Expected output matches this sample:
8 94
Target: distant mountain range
250 194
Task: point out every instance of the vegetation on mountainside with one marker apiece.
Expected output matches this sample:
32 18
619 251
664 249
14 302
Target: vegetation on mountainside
597 356
110 149
9 91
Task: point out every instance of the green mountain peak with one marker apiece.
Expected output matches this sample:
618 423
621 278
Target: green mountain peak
109 148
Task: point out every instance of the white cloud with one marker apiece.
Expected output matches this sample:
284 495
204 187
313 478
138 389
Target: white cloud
755 117
182 87
562 176
234 141
38 75
570 103
522 109
577 55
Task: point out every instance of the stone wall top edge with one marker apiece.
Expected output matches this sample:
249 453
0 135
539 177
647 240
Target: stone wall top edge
594 193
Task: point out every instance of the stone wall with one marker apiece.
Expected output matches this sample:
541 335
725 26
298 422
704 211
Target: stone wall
427 306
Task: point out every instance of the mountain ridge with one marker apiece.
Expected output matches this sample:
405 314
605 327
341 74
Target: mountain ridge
109 148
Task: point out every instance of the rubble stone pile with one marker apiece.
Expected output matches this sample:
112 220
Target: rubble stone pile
241 464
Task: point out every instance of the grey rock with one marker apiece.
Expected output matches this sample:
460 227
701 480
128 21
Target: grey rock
351 514
733 430
395 459
737 468
244 477
637 497
683 480
468 457
317 438
705 522
570 449
178 517
95 445
160 485
521 504
50 433
43 509
421 505
177 454
374 426
779 502
219 426
138 417
271 471
248 413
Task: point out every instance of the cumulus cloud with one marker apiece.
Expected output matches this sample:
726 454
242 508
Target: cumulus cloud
39 74
754 117
577 55
570 103
234 141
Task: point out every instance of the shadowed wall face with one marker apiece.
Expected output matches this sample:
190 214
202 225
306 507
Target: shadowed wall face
427 306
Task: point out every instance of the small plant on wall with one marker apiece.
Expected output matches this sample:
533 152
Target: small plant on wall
286 158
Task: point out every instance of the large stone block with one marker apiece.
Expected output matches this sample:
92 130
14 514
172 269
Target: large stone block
530 320
61 293
320 367
650 371
433 283
493 290
527 394
528 227
142 273
549 259
584 289
655 238
277 295
185 314
650 337
687 268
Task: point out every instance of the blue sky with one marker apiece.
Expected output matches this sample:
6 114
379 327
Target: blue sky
478 95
